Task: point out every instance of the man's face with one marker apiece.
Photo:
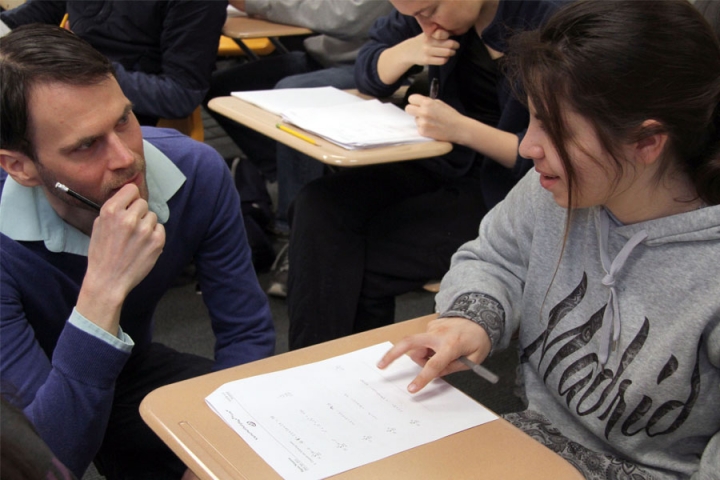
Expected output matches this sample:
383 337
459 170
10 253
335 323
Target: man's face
453 16
87 138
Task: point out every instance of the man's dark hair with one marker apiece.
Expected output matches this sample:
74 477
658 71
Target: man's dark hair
36 54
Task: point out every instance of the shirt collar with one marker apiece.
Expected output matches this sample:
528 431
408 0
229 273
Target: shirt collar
26 215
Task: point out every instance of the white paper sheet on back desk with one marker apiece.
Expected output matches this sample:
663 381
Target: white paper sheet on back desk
321 419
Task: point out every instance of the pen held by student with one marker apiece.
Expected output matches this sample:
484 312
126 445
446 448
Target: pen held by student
479 370
76 195
434 88
296 134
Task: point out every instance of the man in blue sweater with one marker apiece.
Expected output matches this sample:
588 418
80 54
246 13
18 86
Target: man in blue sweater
79 286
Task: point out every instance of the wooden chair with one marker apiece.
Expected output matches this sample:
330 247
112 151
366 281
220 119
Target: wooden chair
192 125
259 46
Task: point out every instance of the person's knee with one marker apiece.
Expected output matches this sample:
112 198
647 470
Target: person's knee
318 207
289 82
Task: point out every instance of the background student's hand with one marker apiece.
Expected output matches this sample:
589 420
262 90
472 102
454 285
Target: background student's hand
126 242
437 350
436 119
435 49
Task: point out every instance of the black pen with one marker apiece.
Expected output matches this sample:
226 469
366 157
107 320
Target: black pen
74 194
434 88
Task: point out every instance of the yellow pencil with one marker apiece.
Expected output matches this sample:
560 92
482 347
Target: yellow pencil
296 134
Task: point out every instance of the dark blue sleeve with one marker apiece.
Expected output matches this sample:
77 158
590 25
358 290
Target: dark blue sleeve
67 396
34 11
238 308
387 32
189 42
207 222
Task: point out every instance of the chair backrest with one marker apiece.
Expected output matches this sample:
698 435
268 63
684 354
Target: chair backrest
229 47
192 125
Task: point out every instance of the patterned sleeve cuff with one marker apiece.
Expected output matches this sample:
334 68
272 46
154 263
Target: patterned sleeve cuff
483 310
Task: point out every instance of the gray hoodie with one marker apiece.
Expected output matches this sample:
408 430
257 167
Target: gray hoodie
619 338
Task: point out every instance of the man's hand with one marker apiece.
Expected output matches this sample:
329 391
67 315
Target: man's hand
126 242
437 350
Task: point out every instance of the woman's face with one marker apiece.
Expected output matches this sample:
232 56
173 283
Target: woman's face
598 179
453 16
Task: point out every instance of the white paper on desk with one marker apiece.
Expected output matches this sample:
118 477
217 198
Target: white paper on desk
321 419
367 124
277 101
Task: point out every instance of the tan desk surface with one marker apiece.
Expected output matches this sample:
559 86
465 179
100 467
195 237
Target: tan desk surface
327 152
496 450
249 27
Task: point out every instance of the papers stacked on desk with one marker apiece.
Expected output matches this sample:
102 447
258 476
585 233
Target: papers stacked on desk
339 117
324 418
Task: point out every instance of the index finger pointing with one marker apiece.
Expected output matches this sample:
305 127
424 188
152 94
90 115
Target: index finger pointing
402 347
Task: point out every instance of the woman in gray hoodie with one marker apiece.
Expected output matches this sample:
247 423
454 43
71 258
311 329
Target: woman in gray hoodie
605 260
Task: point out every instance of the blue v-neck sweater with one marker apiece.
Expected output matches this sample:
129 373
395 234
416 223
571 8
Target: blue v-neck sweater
62 376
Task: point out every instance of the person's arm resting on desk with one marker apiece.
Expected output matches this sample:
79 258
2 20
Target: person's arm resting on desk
344 19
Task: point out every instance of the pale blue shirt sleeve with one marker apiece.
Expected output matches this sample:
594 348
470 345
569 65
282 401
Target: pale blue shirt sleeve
122 342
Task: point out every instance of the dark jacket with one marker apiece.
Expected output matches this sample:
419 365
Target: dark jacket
163 50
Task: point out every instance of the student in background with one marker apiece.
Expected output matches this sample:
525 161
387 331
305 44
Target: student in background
603 258
328 60
364 235
163 51
80 286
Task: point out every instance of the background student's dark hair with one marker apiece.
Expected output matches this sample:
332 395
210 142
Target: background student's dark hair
710 9
34 54
622 63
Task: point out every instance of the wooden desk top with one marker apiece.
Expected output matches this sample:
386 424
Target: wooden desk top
249 27
327 152
495 450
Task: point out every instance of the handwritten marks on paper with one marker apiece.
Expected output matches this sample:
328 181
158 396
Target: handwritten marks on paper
327 417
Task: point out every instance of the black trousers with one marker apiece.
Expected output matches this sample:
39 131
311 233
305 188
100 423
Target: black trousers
361 236
130 449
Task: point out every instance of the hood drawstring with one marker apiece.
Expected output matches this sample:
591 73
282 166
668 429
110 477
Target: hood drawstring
610 331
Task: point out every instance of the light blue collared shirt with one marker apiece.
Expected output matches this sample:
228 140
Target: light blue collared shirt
26 215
